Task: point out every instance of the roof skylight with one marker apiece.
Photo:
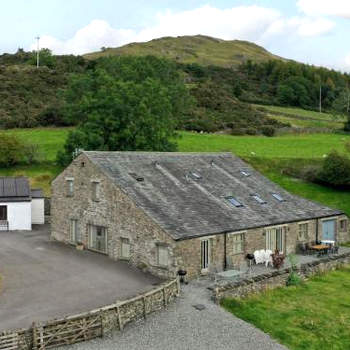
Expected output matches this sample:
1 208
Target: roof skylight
245 173
278 197
195 175
259 199
234 201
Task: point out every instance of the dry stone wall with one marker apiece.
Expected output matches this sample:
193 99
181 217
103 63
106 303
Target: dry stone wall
257 284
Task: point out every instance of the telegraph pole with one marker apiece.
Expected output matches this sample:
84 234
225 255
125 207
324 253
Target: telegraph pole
38 52
320 98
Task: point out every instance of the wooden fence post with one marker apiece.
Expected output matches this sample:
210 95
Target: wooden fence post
144 307
120 319
178 286
164 297
34 336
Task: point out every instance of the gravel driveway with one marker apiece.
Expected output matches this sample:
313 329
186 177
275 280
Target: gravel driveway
182 327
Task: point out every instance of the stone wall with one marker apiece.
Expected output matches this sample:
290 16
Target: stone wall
92 324
189 251
113 210
278 278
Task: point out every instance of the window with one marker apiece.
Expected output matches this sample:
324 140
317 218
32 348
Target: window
343 225
98 238
278 197
162 255
125 248
196 176
3 213
238 243
259 199
70 187
245 173
95 187
74 232
234 202
276 238
303 231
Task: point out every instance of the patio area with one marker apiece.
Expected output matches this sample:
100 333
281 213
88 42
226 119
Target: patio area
243 271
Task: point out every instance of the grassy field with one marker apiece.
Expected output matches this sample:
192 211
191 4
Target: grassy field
312 316
266 154
299 112
302 118
189 49
288 146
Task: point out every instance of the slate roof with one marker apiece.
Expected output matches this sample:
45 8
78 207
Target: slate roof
37 193
14 189
165 186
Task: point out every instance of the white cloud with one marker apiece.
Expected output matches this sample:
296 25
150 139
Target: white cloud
90 38
339 8
347 62
253 23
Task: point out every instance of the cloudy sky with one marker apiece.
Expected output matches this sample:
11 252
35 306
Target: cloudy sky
311 31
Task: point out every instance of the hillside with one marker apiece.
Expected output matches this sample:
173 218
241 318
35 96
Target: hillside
199 49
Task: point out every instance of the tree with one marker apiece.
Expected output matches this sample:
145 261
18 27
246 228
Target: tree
46 58
336 170
123 114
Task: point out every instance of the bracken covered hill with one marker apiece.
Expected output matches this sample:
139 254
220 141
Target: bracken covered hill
198 49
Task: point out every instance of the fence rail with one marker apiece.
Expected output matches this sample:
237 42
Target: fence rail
92 324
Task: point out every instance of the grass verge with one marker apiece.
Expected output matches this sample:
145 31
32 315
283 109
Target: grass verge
312 316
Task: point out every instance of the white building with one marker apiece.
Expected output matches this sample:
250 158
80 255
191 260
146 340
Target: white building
20 207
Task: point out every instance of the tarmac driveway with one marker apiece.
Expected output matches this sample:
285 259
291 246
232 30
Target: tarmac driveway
42 279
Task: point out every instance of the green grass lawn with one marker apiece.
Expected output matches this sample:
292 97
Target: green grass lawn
287 146
265 154
300 123
299 112
295 117
312 316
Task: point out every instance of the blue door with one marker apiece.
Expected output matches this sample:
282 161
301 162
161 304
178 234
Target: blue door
328 230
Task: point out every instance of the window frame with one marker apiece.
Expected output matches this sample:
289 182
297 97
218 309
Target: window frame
95 190
123 241
165 248
5 210
346 223
76 233
69 187
258 199
240 243
90 247
278 197
305 237
233 201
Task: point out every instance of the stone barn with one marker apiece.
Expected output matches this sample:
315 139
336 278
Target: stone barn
163 212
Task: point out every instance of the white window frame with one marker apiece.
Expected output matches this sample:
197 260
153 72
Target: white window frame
125 253
69 186
235 243
165 248
95 190
305 238
74 233
285 229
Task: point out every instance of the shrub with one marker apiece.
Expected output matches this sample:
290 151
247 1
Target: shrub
11 150
268 130
293 279
335 170
14 151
